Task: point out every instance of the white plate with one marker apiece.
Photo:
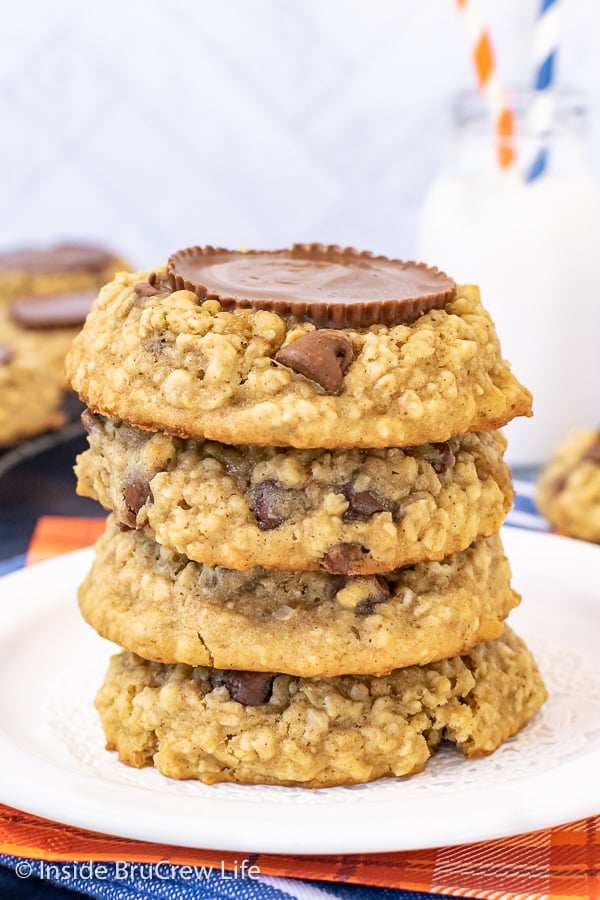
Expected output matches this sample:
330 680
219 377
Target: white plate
54 764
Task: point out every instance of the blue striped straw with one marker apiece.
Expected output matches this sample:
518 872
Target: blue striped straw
545 46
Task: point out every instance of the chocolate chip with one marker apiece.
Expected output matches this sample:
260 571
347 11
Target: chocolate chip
443 459
89 420
6 354
362 504
264 504
379 593
248 688
592 454
273 504
135 494
60 311
558 485
145 289
439 456
340 559
153 286
322 356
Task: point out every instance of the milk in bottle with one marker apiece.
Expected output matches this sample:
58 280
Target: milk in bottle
534 249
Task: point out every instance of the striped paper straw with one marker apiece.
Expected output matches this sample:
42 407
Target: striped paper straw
541 114
487 79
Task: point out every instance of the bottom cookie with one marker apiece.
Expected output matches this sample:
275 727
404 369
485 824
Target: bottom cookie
257 728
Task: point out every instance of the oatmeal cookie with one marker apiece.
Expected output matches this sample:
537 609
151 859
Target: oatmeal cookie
45 296
349 511
216 725
157 355
169 609
568 488
30 400
48 344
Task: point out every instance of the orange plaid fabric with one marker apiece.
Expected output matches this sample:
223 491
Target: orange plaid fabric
60 534
553 864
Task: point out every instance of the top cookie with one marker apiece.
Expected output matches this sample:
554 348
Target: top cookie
293 353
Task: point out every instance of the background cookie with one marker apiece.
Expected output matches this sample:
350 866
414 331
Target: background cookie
568 489
58 269
45 295
30 401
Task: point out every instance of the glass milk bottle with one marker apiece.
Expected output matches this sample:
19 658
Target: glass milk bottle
534 249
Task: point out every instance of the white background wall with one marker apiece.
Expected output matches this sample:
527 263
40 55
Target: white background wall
158 124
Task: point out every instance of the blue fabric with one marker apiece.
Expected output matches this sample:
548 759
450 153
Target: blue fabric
14 888
524 513
11 565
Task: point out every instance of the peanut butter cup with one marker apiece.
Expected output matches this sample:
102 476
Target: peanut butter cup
330 286
60 258
54 311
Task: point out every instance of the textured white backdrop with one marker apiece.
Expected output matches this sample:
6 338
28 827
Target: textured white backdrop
154 124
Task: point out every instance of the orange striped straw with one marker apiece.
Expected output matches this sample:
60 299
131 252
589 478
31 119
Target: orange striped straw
487 79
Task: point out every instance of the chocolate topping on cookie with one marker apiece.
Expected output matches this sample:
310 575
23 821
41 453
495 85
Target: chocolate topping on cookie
60 311
328 285
61 258
6 354
323 356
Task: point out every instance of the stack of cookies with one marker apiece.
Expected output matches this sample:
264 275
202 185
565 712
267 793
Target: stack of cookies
45 295
300 453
